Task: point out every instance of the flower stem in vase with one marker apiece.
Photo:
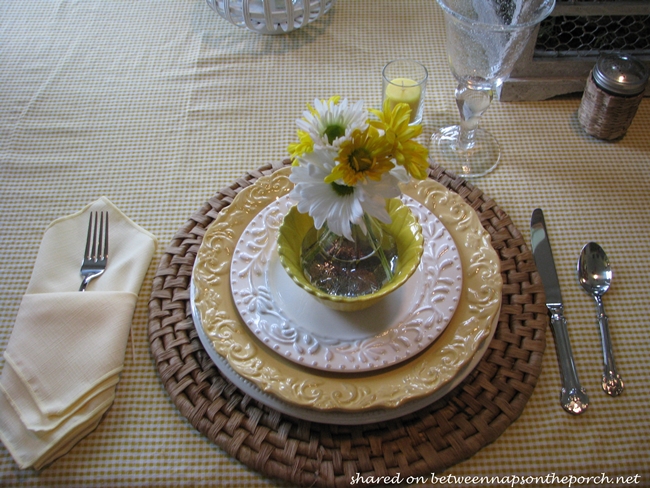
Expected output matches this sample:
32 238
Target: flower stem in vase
350 268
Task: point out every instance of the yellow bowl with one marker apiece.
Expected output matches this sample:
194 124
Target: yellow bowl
404 228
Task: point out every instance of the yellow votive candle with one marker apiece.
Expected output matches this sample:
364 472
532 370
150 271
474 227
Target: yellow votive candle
404 90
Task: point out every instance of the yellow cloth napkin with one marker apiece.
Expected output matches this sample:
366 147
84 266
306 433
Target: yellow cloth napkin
64 347
29 448
66 350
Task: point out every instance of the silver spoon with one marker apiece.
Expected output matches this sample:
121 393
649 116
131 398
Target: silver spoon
595 276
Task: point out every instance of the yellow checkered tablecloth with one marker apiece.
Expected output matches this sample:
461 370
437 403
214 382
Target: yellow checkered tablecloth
158 105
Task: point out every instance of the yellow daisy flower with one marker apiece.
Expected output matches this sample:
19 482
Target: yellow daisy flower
365 154
397 131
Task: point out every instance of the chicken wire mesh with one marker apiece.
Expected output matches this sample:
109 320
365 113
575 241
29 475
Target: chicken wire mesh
567 44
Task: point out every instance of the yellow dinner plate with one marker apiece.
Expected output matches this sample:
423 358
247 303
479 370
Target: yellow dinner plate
472 323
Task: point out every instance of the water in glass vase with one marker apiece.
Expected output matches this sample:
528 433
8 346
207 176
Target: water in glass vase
342 267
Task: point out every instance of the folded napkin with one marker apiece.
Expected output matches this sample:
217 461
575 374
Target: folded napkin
66 350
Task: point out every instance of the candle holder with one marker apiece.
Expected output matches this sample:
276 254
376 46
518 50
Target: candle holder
405 81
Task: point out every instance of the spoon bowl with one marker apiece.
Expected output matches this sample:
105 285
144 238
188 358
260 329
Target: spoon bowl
594 270
595 276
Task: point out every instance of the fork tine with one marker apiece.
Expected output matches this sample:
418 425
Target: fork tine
100 226
106 238
102 245
94 256
88 240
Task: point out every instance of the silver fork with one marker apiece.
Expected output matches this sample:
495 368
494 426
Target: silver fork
96 253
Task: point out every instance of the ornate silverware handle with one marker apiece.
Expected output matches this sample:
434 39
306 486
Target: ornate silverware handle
612 381
573 397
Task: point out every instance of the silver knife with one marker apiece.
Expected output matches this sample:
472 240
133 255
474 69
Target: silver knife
573 397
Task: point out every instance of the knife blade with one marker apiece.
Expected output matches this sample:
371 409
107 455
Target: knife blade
573 397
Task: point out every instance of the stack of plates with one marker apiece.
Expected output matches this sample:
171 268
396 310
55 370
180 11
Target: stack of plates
280 346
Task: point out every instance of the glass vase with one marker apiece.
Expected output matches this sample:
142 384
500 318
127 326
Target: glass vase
349 268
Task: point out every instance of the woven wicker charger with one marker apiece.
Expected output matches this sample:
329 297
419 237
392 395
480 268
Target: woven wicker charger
305 453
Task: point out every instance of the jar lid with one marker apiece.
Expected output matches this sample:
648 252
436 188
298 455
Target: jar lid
621 74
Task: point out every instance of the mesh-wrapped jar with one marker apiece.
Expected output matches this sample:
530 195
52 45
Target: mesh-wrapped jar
612 96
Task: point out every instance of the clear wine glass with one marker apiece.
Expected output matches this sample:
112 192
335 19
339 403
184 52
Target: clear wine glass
484 39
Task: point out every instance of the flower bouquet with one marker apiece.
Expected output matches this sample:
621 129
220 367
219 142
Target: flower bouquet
347 168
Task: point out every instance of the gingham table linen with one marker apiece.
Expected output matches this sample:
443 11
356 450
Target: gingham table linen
160 105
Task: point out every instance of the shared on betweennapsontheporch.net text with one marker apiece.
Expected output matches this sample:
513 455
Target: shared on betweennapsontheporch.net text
550 479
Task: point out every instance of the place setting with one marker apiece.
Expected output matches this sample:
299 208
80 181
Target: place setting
357 291
386 258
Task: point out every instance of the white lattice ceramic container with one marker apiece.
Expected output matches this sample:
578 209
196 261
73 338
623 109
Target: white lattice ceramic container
271 16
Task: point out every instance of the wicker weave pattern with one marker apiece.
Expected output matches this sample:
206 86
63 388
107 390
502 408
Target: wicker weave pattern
310 454
604 115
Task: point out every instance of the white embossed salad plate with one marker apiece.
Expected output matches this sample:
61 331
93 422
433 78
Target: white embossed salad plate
421 376
292 323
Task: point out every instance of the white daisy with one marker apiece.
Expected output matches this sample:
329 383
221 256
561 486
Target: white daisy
337 204
329 123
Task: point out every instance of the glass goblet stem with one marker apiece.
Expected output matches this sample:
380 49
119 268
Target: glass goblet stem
472 102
